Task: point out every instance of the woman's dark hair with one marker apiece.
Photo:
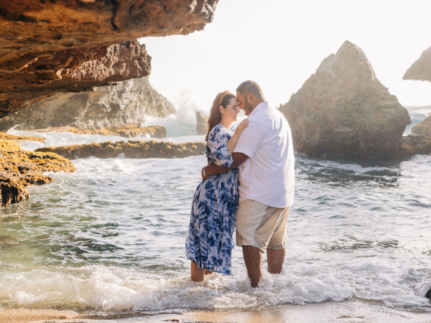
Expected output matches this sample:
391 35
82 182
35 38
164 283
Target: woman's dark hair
215 114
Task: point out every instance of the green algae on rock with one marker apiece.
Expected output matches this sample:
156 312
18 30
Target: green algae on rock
20 168
127 131
6 136
130 149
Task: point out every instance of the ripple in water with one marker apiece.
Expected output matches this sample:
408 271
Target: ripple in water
110 237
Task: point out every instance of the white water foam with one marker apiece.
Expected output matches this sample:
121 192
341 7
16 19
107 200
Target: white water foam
110 237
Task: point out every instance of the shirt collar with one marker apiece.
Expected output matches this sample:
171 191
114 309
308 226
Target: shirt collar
260 106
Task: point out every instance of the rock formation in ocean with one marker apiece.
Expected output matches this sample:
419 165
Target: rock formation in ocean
343 111
114 106
421 69
129 149
48 47
6 136
20 168
127 131
423 128
201 123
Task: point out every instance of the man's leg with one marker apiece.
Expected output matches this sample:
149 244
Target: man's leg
253 262
276 250
275 260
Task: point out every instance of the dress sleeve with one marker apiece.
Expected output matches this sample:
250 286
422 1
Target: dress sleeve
217 141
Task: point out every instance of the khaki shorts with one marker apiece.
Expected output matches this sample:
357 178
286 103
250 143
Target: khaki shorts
260 225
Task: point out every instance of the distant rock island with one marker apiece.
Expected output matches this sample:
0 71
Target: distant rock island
421 69
126 103
344 112
423 128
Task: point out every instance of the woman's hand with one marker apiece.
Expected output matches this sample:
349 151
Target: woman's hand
242 125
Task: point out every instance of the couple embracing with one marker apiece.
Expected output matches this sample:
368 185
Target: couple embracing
248 184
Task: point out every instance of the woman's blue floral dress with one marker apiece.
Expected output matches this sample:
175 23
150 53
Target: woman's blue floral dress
212 222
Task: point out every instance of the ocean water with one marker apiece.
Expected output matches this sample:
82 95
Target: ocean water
109 238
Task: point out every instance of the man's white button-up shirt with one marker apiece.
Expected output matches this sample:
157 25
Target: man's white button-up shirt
268 175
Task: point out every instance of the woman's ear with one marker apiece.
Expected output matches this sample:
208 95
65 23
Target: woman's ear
222 109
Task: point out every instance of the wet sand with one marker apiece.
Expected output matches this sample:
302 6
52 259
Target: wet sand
343 312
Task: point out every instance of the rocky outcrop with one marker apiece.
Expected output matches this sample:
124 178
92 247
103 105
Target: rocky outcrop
48 47
344 112
423 128
128 131
71 70
127 103
6 136
129 149
201 123
20 168
421 69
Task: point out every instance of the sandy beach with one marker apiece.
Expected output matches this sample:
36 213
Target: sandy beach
343 312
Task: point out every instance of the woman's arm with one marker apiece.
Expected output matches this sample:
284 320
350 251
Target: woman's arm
234 139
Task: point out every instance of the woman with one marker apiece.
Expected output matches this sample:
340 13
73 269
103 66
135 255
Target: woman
212 222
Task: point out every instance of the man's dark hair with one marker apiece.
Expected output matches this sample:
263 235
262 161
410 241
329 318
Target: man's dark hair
251 87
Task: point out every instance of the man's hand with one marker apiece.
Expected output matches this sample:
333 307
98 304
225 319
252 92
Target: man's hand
213 169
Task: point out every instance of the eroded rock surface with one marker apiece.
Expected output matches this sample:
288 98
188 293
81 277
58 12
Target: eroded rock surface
129 149
201 123
128 131
71 70
423 128
343 111
127 103
20 168
421 69
71 46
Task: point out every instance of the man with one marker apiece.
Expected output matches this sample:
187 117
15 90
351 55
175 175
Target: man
264 154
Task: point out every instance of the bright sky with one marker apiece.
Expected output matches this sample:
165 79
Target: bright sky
280 43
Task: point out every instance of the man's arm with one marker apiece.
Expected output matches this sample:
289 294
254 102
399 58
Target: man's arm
213 169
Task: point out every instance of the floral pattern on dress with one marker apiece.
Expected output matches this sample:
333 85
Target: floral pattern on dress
212 221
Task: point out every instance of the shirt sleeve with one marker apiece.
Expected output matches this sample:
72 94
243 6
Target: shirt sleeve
250 140
217 141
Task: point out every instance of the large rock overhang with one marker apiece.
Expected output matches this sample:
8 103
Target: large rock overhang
421 69
51 46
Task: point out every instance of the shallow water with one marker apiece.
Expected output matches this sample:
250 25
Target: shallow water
110 238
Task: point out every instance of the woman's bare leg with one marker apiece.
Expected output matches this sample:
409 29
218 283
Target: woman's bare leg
198 274
207 272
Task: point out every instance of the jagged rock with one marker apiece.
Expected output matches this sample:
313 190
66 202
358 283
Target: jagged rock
423 128
421 69
127 131
343 111
130 149
201 123
20 168
106 107
72 46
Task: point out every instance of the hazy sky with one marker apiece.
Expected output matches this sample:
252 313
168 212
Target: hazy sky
280 43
